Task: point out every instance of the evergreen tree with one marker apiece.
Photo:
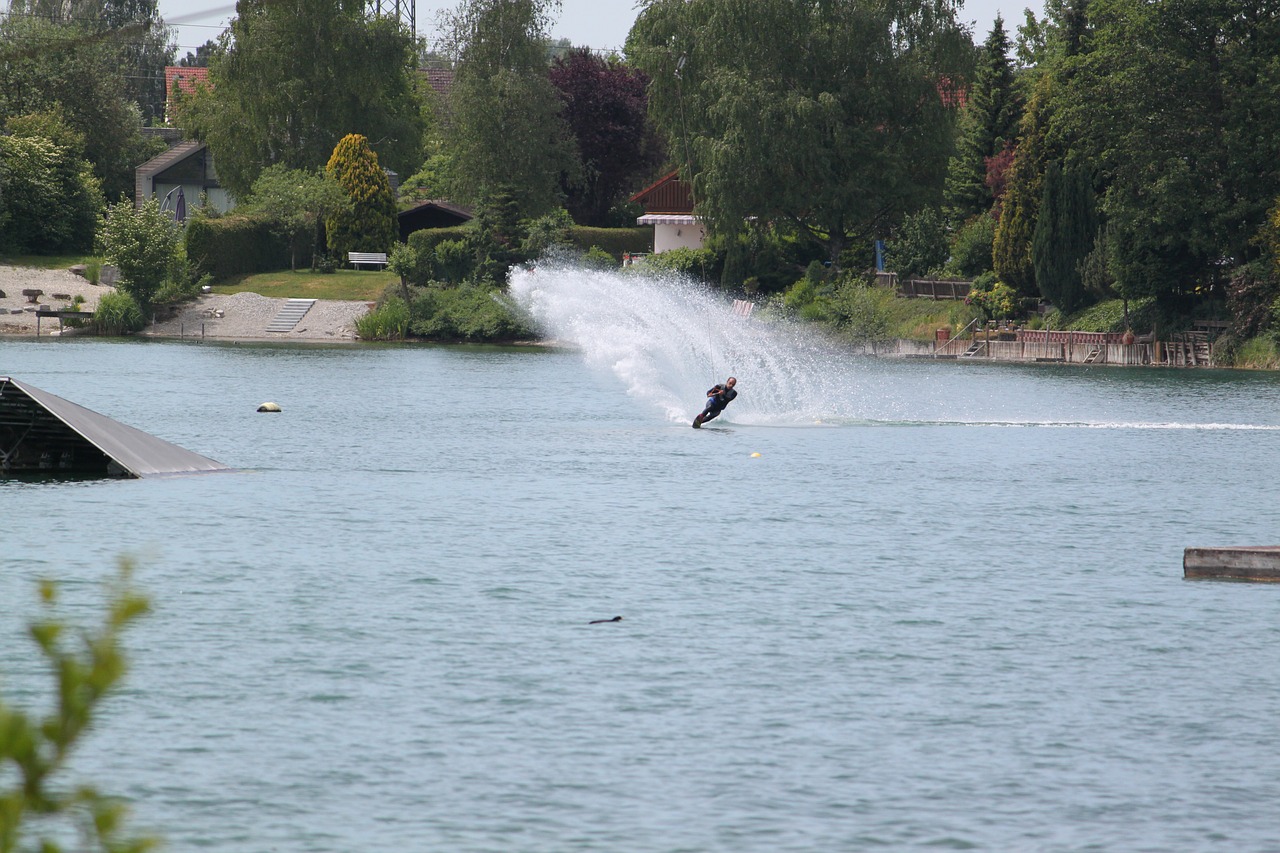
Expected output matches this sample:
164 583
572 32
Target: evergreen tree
369 224
1011 248
988 121
1064 236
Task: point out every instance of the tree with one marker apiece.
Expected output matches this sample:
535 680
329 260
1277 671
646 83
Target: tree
825 115
605 108
78 68
35 751
1011 248
920 245
143 243
498 238
49 195
299 200
132 29
1064 236
503 124
200 59
988 121
368 222
1176 104
294 79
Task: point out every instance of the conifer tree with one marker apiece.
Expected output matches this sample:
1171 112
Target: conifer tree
1011 248
988 121
369 224
1064 235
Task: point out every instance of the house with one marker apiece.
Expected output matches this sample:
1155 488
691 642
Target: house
668 207
183 174
181 79
433 213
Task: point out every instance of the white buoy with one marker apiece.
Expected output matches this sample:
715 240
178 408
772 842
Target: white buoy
269 407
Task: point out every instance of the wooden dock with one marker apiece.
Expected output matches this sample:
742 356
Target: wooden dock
1253 563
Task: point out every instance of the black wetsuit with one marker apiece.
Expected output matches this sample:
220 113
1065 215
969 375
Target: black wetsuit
717 398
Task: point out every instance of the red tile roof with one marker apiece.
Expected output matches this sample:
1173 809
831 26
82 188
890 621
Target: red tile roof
180 79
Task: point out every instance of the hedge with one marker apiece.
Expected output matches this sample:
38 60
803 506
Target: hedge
426 239
238 244
615 241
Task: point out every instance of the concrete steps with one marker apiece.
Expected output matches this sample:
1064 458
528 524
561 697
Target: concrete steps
293 311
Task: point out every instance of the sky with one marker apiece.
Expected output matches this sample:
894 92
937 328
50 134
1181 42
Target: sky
600 24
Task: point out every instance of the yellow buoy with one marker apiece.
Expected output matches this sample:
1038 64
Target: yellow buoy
269 407
755 455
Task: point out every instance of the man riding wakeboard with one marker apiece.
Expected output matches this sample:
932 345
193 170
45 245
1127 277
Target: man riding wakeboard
717 398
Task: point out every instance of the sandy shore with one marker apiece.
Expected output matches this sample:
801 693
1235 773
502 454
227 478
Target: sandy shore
242 316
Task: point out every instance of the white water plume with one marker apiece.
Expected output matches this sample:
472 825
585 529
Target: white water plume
668 340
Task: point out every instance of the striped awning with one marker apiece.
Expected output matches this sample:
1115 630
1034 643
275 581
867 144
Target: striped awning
667 219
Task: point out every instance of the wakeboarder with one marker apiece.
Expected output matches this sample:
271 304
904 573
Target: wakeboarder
717 398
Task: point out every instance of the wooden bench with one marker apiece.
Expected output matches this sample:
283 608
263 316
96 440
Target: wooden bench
378 259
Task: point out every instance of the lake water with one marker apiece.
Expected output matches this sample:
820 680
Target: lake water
942 608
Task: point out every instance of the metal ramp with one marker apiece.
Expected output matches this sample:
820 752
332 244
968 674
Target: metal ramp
293 311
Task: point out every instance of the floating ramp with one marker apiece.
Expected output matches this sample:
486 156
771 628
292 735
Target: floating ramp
41 433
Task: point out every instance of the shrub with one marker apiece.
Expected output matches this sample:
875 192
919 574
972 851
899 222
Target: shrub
996 299
468 313
1259 353
597 258
143 243
971 250
426 239
862 312
389 321
118 313
547 233
920 245
699 263
616 241
77 303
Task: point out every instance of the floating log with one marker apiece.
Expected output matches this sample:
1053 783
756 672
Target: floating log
1251 563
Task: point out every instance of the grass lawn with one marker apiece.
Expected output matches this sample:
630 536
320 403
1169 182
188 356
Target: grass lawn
354 285
45 262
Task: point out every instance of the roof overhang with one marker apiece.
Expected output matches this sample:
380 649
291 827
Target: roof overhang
41 433
667 219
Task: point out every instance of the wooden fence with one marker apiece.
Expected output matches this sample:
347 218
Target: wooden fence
925 288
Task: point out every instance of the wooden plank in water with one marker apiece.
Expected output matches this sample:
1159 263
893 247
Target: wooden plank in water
1252 563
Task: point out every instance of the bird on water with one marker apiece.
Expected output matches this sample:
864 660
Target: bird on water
602 621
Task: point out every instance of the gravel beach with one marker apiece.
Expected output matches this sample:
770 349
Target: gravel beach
242 316
17 313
